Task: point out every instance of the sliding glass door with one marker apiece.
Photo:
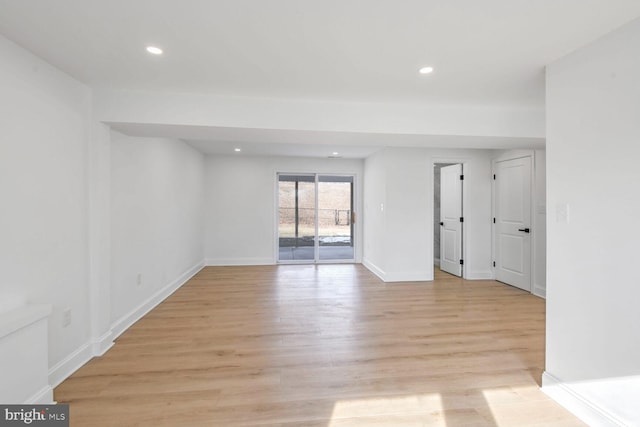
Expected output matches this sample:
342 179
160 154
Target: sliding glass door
315 218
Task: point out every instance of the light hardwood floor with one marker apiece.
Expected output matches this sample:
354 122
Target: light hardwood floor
325 346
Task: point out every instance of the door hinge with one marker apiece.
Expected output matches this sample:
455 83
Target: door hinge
494 176
494 220
461 177
494 263
461 262
461 219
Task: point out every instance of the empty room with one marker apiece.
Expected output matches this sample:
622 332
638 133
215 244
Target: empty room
319 213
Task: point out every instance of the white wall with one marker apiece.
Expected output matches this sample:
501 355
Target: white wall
408 215
157 224
241 204
399 240
44 116
593 320
373 215
539 267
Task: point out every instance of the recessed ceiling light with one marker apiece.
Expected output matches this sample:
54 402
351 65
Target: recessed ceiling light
426 70
335 153
237 150
154 50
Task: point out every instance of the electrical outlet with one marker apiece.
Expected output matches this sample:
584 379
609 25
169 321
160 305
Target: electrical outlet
139 279
66 317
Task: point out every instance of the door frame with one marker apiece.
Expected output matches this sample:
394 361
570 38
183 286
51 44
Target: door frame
513 155
354 227
465 194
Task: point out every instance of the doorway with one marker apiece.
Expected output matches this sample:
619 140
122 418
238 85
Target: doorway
315 218
448 217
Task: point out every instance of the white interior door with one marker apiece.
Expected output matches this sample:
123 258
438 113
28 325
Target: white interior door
513 222
450 219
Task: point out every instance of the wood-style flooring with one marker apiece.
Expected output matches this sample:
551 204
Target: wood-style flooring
323 346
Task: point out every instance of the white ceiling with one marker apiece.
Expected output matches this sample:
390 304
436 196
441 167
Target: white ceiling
485 52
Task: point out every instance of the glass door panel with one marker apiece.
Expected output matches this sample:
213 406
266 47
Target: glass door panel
296 217
335 218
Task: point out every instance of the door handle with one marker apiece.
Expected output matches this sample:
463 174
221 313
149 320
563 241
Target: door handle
442 223
526 230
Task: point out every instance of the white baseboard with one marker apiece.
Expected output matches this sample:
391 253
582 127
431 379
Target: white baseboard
100 345
479 275
409 276
221 262
574 400
67 366
398 276
539 291
42 397
374 269
150 303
